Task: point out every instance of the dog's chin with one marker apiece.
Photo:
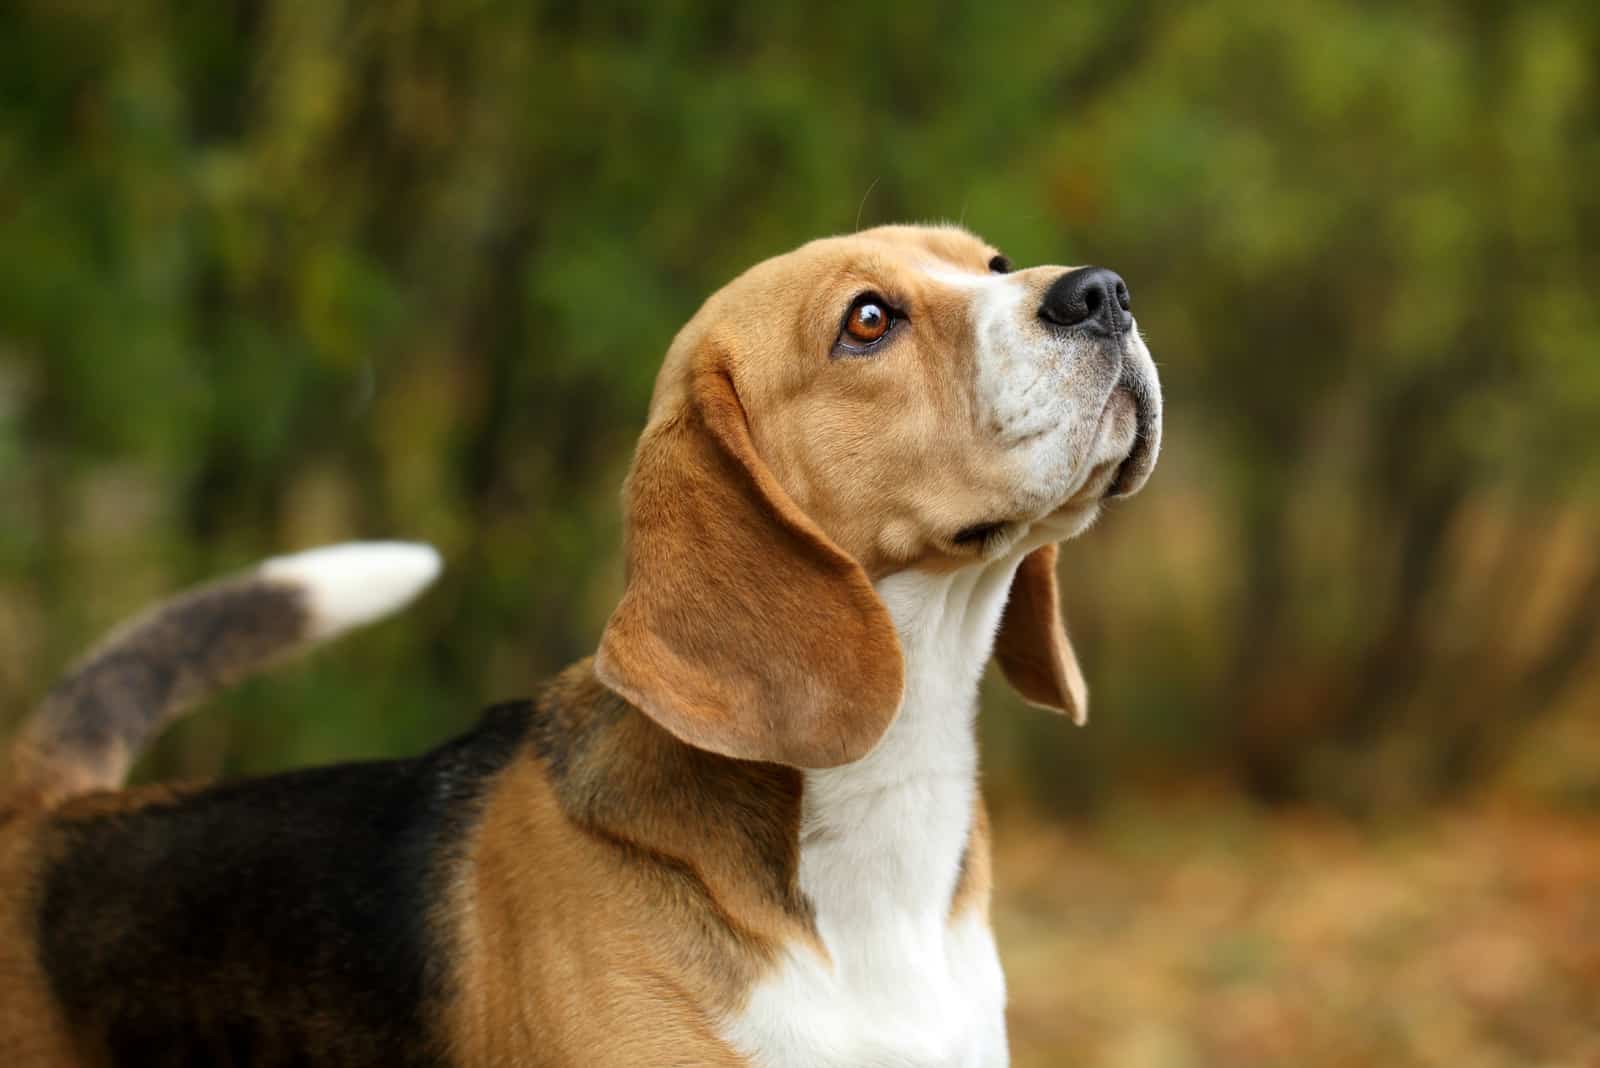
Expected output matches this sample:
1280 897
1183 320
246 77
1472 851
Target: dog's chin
1079 511
1066 522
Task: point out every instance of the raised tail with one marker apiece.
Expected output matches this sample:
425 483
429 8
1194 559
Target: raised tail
89 729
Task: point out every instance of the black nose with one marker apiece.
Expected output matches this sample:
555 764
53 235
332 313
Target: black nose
1090 296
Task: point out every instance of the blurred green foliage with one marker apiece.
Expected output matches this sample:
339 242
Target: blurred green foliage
274 274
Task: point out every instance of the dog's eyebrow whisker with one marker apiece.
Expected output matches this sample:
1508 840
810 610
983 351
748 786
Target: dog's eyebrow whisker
862 206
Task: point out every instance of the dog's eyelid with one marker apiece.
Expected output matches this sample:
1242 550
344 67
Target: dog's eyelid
893 305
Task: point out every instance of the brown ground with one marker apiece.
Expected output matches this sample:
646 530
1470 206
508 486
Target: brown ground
1205 934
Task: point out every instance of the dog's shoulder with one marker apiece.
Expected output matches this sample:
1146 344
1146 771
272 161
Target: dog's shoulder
270 919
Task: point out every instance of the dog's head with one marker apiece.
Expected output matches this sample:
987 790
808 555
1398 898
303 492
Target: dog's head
895 399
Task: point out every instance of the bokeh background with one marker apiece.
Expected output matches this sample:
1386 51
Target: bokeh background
276 273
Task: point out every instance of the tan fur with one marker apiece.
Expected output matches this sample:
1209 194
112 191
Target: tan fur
610 934
884 456
976 884
31 1029
744 630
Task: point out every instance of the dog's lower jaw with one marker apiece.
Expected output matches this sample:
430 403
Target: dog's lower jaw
911 977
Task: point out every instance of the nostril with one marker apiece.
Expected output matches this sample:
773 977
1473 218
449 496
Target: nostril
1123 300
1093 298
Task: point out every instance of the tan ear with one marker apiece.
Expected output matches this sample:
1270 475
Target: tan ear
743 628
1032 646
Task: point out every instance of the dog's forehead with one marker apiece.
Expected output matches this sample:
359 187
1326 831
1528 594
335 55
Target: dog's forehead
884 254
890 249
757 312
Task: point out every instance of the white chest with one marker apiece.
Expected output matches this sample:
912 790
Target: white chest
908 1001
902 985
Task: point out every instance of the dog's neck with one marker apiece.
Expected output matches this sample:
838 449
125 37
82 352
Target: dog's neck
882 839
905 975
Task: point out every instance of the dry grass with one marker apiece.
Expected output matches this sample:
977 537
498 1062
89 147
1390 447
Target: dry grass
1205 934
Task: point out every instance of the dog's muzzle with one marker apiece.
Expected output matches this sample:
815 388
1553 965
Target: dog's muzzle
1093 304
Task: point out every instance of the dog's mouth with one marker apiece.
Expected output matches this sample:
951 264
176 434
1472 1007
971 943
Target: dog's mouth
1134 470
1130 415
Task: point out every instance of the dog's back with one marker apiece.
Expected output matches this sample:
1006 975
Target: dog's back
284 920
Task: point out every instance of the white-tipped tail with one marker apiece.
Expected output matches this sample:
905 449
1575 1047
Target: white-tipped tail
92 725
356 583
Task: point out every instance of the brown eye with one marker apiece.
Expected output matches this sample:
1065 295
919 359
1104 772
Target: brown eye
1000 265
868 321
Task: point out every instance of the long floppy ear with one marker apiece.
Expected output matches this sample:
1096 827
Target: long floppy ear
743 628
1032 646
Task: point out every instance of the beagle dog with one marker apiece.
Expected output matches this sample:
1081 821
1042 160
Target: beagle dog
746 832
